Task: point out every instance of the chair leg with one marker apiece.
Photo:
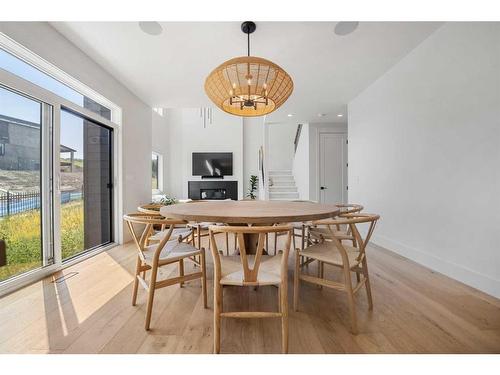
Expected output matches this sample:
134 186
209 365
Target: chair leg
303 238
217 312
321 271
151 295
293 239
275 243
350 299
136 282
284 317
279 298
367 284
198 236
296 281
181 271
204 279
227 243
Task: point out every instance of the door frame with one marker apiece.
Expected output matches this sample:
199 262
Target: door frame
23 87
319 133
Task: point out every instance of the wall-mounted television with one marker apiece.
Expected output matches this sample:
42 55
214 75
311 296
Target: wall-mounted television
212 164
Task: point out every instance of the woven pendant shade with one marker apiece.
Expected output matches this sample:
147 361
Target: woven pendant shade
248 86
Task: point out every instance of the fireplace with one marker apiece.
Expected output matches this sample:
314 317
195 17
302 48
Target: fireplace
213 190
213 193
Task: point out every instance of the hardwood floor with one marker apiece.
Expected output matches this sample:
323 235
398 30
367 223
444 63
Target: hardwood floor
89 311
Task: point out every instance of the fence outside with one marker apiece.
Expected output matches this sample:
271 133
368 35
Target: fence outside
14 203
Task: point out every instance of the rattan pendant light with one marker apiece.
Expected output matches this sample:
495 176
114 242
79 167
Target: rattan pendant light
248 86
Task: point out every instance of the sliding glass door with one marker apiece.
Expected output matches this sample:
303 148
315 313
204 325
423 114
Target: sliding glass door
56 174
22 125
86 184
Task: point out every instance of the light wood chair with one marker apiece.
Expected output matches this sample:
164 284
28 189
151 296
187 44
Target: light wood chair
201 230
250 270
157 232
331 250
299 230
168 250
342 231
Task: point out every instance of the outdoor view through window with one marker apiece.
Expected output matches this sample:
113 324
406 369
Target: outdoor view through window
20 181
85 152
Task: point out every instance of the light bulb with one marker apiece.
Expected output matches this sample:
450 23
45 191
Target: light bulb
264 86
249 82
234 85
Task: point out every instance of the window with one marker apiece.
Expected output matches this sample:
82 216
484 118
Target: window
21 221
26 71
156 172
52 217
86 184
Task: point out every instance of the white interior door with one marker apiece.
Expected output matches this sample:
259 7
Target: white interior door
332 168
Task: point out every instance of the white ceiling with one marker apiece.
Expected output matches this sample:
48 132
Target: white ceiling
328 70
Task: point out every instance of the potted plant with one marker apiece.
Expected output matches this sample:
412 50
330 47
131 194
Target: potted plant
253 187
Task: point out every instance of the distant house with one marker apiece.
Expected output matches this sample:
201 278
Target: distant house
20 146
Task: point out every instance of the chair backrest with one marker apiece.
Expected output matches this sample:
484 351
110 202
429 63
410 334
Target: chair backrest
352 220
250 272
141 225
345 208
151 209
349 208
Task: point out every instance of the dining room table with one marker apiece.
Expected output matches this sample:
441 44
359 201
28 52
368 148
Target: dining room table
250 212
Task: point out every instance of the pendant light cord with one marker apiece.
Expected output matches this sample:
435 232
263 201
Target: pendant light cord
248 41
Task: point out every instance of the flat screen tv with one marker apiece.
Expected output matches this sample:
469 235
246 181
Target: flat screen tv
212 164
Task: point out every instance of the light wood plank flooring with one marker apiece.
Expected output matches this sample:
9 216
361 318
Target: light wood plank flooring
416 311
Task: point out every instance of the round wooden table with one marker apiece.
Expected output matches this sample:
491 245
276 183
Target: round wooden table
250 212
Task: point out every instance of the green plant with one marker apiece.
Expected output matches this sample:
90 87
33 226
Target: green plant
253 187
21 233
167 201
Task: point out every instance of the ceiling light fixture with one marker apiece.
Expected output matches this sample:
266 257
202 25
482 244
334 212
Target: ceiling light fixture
248 86
340 115
151 28
345 28
290 115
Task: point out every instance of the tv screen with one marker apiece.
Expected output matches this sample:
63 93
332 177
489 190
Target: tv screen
212 164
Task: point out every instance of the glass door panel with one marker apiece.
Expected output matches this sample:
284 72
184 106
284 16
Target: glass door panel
86 184
21 126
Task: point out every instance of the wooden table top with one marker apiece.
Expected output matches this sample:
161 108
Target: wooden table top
250 212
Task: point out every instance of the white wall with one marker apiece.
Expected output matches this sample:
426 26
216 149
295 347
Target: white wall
281 147
159 142
187 135
305 165
300 164
424 153
253 139
45 41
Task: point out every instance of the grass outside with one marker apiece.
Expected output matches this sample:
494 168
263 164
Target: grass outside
21 232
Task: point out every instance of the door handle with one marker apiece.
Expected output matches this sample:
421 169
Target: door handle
323 187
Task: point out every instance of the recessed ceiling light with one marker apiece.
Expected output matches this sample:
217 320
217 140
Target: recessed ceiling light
290 115
344 28
151 27
340 115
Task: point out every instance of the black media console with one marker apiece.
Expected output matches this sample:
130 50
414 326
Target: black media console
213 190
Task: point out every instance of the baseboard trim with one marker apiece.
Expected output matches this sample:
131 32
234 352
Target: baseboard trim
455 271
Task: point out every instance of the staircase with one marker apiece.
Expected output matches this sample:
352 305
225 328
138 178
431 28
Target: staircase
282 186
